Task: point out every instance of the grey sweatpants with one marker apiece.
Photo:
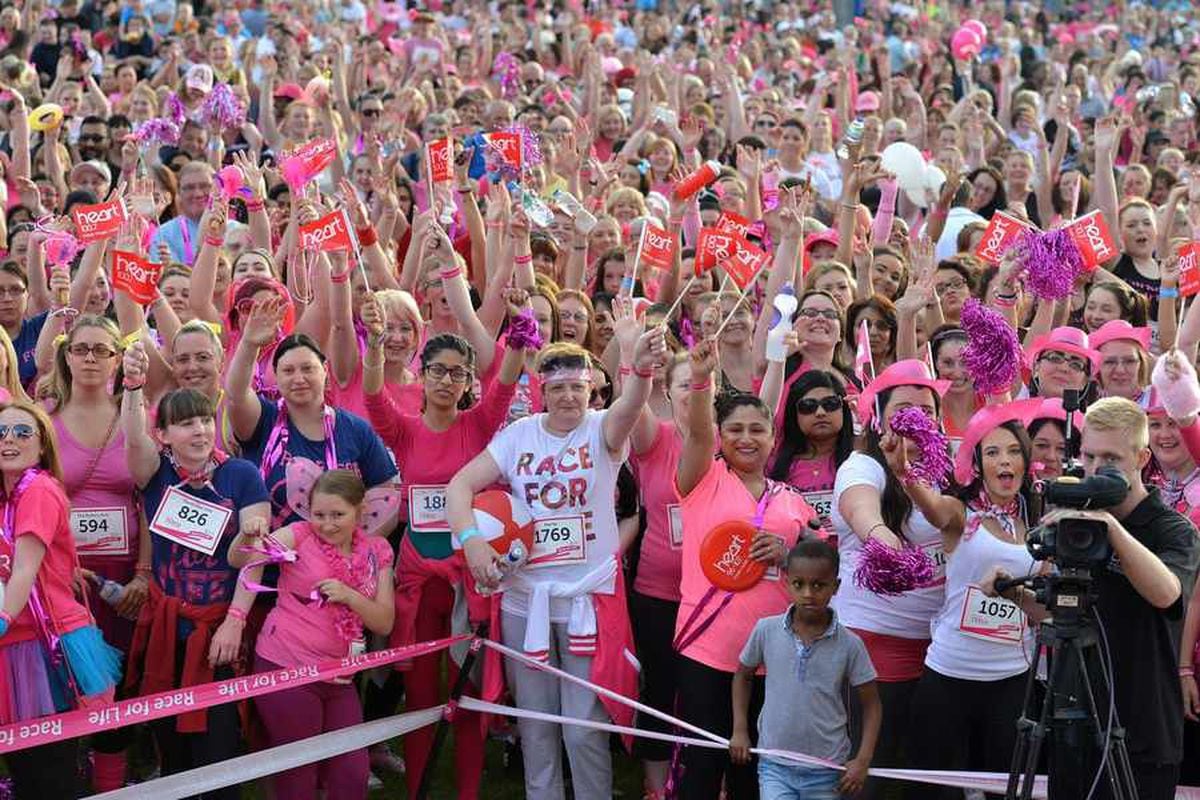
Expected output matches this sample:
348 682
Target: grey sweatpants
541 742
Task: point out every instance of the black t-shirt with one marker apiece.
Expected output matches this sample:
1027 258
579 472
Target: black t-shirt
1126 271
1144 640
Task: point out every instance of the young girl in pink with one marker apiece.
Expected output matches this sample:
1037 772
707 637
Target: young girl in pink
337 589
52 656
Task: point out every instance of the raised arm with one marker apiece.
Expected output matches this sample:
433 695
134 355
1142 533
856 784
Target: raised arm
623 414
458 296
203 280
343 341
1108 134
699 439
141 453
258 330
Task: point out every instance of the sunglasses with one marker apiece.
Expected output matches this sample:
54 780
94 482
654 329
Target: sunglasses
372 112
602 393
100 350
20 431
809 405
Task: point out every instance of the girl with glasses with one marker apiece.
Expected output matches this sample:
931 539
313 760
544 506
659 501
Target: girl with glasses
52 656
192 625
105 519
450 430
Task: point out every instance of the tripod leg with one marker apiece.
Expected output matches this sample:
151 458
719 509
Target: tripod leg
1117 768
1037 734
1025 727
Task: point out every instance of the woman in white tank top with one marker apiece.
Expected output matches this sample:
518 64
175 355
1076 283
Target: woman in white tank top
972 689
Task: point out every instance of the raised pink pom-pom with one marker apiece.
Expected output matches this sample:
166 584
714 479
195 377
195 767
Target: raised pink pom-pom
888 571
230 179
1051 262
295 173
993 353
223 108
157 131
934 464
61 248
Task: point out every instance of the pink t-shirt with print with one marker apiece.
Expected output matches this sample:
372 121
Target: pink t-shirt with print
298 630
720 496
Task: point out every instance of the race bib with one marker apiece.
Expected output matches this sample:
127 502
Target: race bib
558 542
194 523
992 619
100 531
675 524
822 503
427 509
937 554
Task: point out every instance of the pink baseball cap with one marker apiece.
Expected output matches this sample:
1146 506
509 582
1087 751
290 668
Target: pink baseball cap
867 101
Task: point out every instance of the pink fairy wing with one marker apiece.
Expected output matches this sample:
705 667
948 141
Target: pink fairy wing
301 474
379 506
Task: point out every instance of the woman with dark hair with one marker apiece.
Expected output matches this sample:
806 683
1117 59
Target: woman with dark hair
819 325
1047 431
602 307
1109 300
869 503
960 402
976 666
730 487
192 580
987 191
880 316
450 430
818 434
300 426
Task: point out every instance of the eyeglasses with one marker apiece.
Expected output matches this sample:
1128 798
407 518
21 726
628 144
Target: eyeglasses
952 285
12 291
91 137
573 316
439 371
809 405
100 350
819 313
1131 362
1058 359
602 393
206 188
20 431
880 325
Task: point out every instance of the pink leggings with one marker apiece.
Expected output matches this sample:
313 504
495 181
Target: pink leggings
306 711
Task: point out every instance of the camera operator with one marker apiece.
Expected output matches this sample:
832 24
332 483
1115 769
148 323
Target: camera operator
1142 594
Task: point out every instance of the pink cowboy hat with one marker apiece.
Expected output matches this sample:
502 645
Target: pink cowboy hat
910 372
983 422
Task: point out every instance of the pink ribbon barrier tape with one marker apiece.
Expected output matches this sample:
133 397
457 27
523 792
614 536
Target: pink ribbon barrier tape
139 710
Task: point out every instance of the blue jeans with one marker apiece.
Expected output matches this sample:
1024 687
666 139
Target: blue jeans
778 781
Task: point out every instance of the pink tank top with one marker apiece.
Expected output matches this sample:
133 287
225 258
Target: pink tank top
659 567
102 493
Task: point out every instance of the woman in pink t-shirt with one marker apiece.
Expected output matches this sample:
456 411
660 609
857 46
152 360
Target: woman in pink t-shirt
41 620
431 447
338 587
713 623
399 339
104 513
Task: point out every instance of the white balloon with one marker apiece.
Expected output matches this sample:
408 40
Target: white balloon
908 165
934 180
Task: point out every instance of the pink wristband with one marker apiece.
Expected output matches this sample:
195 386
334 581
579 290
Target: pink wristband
342 278
525 259
213 241
700 387
236 613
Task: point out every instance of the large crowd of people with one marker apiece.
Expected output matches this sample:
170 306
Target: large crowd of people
740 304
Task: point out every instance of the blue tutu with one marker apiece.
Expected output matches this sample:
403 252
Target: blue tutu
95 665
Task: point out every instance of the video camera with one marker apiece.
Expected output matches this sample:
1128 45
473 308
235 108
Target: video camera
1075 542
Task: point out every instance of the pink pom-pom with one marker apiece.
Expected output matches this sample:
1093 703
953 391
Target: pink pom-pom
993 353
174 109
61 248
523 331
933 465
888 571
1178 390
160 131
507 72
230 179
223 108
295 173
1051 261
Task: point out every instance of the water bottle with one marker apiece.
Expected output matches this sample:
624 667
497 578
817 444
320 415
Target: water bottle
110 591
514 559
785 308
854 135
538 212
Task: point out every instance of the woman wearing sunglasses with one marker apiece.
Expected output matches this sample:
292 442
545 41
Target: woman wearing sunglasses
451 429
196 500
52 655
104 516
818 434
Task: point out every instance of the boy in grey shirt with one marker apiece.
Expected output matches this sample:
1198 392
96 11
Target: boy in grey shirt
809 659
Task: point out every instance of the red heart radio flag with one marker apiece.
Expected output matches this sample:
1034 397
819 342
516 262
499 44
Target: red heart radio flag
135 276
100 221
1002 233
1095 242
330 232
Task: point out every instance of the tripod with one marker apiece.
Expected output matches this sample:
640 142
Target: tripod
1081 740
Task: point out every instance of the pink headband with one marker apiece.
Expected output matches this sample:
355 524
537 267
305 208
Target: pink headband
565 374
